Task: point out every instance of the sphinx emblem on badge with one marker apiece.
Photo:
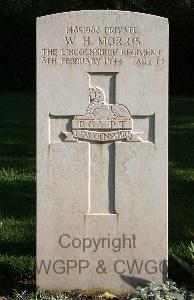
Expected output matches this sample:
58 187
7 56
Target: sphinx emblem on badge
103 122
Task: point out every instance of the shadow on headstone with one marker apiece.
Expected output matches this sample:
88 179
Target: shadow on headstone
134 281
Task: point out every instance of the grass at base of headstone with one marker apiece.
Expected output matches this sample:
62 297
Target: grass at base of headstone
169 290
17 189
18 192
181 184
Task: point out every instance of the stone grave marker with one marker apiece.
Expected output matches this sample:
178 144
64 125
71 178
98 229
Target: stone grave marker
102 120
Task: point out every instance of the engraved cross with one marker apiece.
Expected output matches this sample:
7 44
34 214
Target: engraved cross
104 124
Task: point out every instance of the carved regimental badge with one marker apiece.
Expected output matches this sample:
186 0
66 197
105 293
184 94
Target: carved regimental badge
103 122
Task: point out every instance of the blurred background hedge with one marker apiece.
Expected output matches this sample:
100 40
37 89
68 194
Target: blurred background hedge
18 30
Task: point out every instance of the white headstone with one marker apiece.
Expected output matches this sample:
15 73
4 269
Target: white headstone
102 108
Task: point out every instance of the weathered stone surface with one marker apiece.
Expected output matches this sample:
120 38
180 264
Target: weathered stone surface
102 108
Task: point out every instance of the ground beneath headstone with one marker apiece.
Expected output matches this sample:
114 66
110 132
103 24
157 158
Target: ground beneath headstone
72 295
